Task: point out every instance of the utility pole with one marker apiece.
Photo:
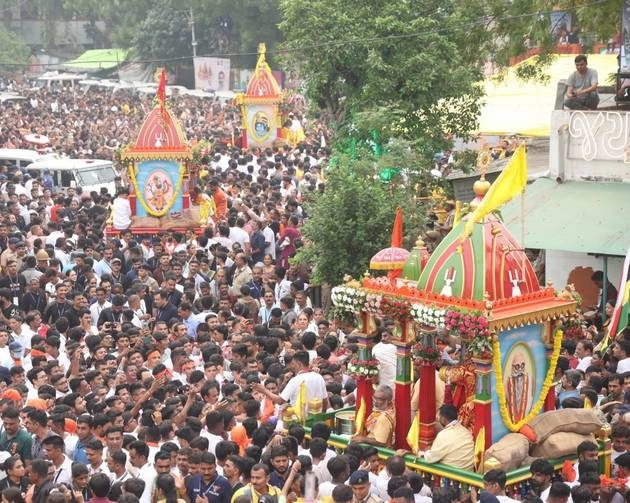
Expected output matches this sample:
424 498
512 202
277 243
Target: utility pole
192 29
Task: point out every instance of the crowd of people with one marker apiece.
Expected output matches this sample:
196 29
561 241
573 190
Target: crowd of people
168 368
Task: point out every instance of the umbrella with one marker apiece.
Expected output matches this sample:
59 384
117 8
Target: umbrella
36 139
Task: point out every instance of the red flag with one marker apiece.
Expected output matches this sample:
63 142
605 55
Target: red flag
397 231
161 91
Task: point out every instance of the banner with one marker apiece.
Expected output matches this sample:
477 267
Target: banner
212 73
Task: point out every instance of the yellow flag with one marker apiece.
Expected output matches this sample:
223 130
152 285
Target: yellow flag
480 447
300 404
510 182
359 420
413 437
587 403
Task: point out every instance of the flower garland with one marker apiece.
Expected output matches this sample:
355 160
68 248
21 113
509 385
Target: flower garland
468 325
426 353
395 309
363 368
348 298
373 303
428 315
140 198
548 383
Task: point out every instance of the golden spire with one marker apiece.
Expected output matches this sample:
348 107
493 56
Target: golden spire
262 49
481 186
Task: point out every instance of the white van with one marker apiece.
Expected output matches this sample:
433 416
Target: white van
89 174
20 158
56 81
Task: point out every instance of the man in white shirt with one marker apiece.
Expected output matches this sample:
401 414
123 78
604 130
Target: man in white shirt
54 451
385 353
621 351
542 473
122 217
494 483
315 384
100 304
139 456
584 351
270 238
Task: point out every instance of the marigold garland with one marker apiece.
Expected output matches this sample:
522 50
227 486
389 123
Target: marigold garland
547 383
140 198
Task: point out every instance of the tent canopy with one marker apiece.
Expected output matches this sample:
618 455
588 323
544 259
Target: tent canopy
95 60
516 107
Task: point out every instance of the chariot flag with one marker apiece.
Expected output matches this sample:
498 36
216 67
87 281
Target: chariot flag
619 319
397 230
510 183
300 403
359 420
480 446
413 437
161 93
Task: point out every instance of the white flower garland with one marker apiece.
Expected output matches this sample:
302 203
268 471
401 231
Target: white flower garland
428 315
348 298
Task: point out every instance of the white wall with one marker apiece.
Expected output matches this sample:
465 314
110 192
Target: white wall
590 145
559 265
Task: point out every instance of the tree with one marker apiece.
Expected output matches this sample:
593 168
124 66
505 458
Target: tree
352 219
13 51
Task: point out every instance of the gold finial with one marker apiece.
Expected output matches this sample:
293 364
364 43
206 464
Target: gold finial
419 243
262 49
483 160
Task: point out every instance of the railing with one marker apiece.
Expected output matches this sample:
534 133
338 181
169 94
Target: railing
437 475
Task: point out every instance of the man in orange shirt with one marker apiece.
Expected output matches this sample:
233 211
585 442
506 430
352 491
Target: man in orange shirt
220 199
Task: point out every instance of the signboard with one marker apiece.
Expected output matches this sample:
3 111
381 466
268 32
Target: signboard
212 73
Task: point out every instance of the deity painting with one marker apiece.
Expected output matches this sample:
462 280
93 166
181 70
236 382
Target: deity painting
158 190
519 378
261 124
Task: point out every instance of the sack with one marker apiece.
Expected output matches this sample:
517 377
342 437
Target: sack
563 443
581 421
510 451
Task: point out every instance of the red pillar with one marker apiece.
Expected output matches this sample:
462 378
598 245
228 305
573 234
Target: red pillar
402 393
427 411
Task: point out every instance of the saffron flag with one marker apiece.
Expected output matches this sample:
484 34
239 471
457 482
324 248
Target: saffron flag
619 319
161 95
397 230
359 420
300 403
480 447
161 90
510 183
413 437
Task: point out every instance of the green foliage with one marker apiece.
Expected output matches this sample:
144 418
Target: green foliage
381 55
12 49
161 29
164 33
352 219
